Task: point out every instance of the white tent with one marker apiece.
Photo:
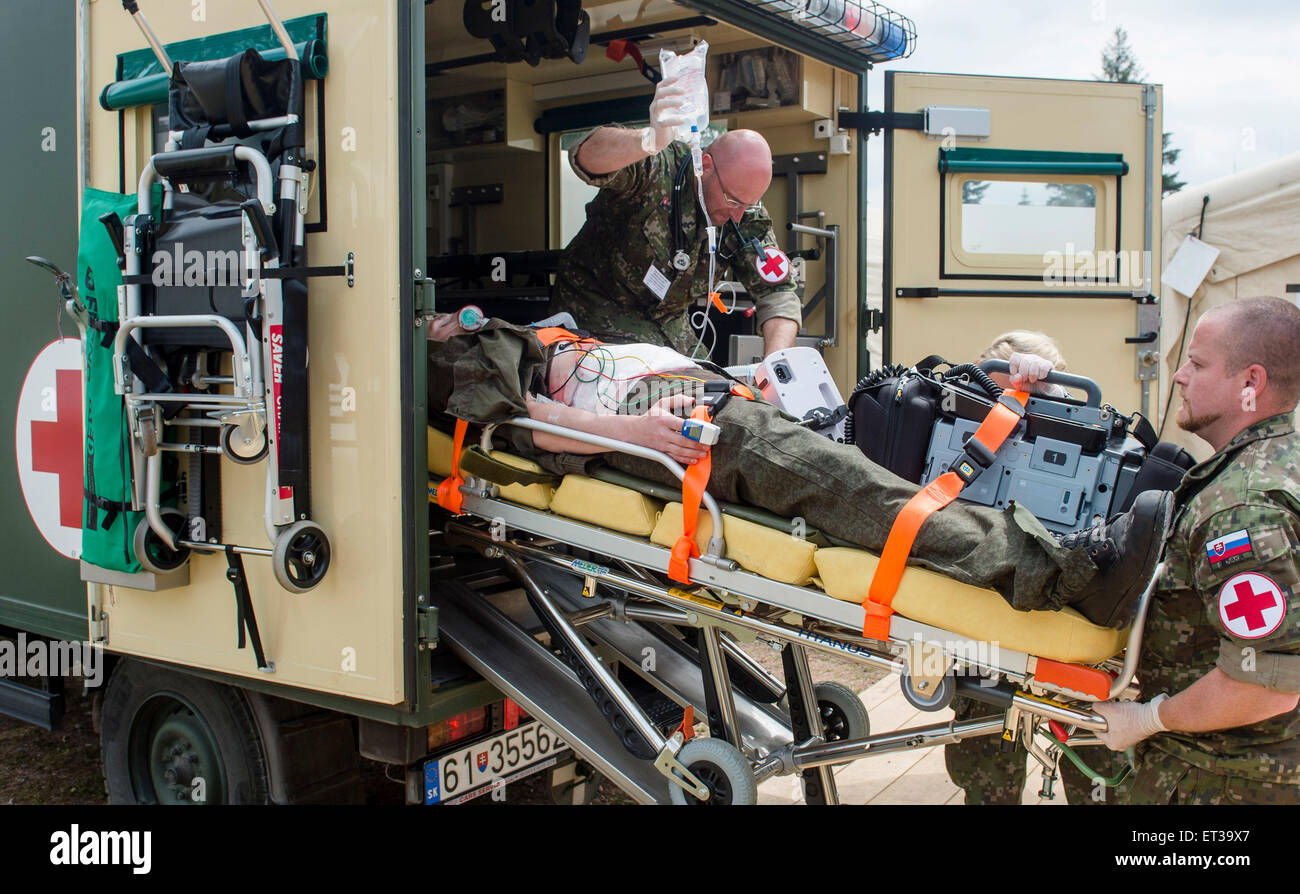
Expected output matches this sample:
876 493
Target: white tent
1253 219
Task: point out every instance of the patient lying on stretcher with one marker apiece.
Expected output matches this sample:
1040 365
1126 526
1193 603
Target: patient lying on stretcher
763 457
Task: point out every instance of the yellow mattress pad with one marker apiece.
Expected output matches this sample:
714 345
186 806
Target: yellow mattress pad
974 612
844 573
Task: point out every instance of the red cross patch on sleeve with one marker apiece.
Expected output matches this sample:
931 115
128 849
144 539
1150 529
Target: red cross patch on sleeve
1251 605
773 266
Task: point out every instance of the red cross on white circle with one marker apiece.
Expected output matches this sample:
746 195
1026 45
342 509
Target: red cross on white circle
48 444
1251 605
772 265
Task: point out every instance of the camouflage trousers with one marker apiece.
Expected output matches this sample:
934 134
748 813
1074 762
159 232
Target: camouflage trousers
764 459
1164 779
990 775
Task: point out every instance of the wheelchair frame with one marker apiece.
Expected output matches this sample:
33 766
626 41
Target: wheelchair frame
252 409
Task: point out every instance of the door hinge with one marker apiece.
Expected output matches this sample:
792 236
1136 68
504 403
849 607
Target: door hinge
427 626
98 631
423 292
1148 99
875 319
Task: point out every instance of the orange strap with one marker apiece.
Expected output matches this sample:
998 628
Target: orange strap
449 495
995 428
693 484
549 335
687 726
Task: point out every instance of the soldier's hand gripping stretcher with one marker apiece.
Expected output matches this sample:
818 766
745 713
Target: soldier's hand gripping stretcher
559 392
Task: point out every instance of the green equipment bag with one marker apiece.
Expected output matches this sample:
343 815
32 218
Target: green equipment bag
107 524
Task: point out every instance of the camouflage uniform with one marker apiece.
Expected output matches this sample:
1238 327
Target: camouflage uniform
601 276
1206 614
764 458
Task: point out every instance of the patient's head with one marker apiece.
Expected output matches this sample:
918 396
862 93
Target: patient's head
441 327
1022 341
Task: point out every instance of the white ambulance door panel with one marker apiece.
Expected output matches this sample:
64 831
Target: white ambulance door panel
1029 204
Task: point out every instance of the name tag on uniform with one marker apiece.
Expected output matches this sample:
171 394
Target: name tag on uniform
656 282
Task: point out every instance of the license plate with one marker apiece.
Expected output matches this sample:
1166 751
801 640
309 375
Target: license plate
475 769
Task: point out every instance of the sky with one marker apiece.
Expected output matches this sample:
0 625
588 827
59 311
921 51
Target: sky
1230 70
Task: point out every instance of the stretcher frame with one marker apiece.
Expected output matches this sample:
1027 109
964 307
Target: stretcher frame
522 537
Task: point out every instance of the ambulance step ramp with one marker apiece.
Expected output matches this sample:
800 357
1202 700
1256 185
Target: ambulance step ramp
526 671
764 728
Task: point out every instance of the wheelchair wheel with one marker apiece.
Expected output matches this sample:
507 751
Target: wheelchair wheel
721 767
936 700
154 555
236 450
301 556
843 715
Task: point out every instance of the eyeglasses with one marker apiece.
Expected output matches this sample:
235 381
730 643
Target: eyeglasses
726 197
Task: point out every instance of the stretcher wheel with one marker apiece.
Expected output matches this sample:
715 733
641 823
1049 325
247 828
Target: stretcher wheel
844 717
937 700
721 767
301 556
237 451
149 428
154 555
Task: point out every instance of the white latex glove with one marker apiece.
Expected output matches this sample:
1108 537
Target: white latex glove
1026 369
1130 722
665 115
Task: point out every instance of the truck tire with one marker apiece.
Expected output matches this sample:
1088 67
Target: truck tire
171 738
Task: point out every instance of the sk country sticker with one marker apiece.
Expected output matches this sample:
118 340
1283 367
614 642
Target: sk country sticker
1228 546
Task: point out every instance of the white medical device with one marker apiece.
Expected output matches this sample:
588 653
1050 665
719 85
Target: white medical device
706 433
797 381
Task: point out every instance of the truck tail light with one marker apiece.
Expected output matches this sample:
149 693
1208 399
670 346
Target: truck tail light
462 726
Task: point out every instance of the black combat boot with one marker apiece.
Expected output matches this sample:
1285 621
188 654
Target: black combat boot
1125 549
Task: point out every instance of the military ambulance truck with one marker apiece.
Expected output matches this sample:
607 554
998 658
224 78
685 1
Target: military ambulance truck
234 505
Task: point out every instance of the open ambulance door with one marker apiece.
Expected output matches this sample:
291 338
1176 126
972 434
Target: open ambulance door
1018 203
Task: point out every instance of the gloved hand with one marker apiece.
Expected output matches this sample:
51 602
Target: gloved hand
1130 722
665 115
1027 369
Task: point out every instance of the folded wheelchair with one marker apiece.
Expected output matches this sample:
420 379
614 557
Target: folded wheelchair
210 343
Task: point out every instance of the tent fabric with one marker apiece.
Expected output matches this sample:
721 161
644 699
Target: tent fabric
1253 218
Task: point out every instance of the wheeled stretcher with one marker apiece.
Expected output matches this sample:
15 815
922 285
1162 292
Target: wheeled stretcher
592 551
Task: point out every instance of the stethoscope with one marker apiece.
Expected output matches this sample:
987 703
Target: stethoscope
731 244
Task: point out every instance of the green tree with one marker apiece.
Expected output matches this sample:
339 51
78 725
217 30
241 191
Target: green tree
1074 195
1120 65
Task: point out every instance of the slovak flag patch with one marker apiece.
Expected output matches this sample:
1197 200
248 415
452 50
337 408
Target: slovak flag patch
1229 545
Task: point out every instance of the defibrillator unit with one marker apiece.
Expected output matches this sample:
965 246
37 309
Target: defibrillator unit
1069 461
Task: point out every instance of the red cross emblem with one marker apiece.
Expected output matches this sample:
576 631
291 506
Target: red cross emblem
48 443
56 446
1251 605
772 265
